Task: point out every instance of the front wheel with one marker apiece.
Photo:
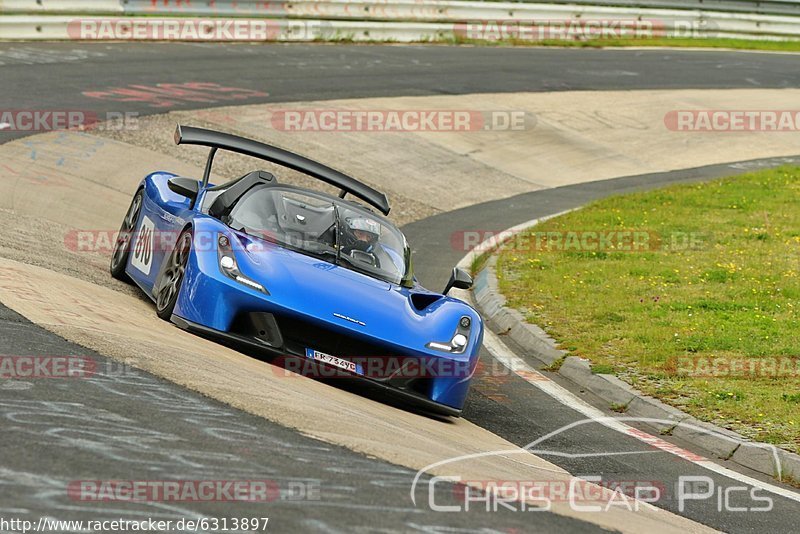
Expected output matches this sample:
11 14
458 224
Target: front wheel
122 246
171 279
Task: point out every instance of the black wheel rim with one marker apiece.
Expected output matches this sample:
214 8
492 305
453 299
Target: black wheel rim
173 274
123 241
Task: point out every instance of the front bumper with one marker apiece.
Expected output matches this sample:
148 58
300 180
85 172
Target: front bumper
388 388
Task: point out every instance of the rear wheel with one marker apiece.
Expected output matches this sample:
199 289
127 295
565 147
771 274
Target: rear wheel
171 279
122 246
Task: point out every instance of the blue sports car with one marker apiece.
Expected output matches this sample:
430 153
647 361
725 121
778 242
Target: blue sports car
324 280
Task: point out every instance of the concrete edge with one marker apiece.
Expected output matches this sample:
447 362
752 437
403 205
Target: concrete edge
536 344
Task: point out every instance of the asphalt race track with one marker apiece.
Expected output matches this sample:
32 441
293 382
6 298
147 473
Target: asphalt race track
164 428
65 432
44 76
513 409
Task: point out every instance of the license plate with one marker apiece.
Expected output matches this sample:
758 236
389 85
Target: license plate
331 360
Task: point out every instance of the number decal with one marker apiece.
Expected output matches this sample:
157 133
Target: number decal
143 251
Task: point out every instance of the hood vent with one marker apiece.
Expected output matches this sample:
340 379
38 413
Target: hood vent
423 300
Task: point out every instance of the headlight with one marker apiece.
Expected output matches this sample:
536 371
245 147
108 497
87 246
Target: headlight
229 267
458 343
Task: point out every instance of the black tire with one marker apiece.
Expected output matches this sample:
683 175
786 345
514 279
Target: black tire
122 247
169 283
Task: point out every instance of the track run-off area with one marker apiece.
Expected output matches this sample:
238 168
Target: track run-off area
169 405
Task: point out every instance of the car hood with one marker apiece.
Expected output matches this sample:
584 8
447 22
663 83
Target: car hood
342 298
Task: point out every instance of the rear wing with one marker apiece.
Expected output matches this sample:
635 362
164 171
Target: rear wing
187 135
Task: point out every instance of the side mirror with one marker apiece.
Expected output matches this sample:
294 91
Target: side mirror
185 187
459 279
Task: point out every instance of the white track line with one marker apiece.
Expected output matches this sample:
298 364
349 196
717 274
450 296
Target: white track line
519 367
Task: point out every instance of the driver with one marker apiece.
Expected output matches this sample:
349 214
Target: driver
363 234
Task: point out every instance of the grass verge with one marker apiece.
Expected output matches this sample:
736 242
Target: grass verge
693 297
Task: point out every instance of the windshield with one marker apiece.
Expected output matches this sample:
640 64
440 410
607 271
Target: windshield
337 232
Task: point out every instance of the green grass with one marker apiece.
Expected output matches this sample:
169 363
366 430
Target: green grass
716 284
479 262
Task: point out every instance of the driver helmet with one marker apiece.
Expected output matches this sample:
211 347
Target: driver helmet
365 232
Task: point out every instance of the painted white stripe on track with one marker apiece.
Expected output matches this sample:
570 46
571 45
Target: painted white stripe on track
519 367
